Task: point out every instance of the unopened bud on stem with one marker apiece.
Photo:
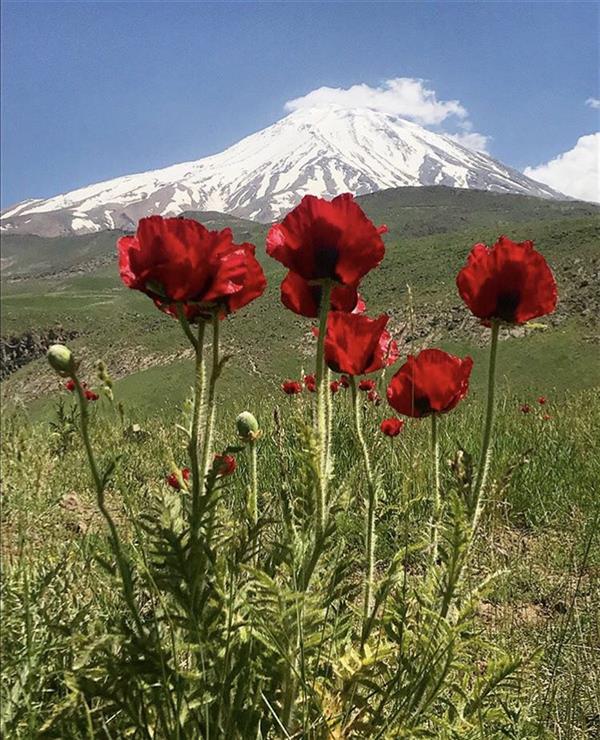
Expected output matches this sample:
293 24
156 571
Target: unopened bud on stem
247 427
61 359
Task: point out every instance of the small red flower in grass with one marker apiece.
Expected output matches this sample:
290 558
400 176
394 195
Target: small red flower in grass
334 386
345 381
509 282
179 261
392 427
525 408
542 400
310 383
327 240
174 482
353 343
546 417
374 398
367 385
70 385
224 464
433 382
291 387
91 396
304 298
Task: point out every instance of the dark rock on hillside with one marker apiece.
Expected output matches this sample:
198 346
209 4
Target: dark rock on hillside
16 351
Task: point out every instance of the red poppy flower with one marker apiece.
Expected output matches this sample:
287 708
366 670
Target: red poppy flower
310 383
392 427
367 385
542 400
353 343
334 386
177 260
91 396
389 349
327 240
174 482
510 282
546 417
344 381
304 298
224 464
525 408
70 385
291 387
374 397
433 382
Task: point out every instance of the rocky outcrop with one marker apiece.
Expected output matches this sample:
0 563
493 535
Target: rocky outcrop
16 351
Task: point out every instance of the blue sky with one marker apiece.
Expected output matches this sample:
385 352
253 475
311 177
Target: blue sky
93 90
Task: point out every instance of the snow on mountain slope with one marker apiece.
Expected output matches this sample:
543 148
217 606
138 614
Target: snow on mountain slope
320 151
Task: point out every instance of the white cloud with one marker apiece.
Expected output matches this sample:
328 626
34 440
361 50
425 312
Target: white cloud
593 102
476 142
576 172
402 96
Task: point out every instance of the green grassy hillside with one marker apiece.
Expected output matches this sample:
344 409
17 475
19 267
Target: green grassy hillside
73 282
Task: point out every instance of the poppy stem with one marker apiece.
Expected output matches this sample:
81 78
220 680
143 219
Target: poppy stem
100 485
211 405
371 507
198 415
437 502
253 503
486 453
322 421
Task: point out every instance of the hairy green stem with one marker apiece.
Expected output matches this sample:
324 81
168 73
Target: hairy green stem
210 405
437 502
484 462
99 485
253 503
371 508
198 416
321 380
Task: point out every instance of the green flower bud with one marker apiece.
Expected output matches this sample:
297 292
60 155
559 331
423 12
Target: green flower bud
247 426
61 359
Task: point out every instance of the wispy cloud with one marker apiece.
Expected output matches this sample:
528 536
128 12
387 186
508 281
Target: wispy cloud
575 172
407 97
593 102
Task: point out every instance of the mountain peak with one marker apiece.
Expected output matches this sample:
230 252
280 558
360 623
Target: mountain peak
325 151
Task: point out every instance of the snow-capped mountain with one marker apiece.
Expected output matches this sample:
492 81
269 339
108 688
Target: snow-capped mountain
320 151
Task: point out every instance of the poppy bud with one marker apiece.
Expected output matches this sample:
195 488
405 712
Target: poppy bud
247 426
61 359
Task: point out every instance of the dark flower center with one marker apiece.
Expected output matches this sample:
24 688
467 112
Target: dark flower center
326 258
506 305
422 405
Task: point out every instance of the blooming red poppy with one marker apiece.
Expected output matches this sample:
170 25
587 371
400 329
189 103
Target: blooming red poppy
173 481
327 240
224 464
542 400
310 383
70 385
291 387
392 427
304 298
91 396
374 397
334 386
179 261
433 382
366 385
525 408
509 282
353 343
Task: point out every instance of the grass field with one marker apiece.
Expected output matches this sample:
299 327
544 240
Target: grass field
256 630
